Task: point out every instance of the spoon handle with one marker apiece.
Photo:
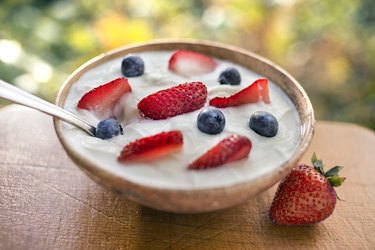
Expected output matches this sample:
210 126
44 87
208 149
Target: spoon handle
14 94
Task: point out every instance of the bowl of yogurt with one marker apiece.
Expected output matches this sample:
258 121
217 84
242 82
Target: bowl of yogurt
166 183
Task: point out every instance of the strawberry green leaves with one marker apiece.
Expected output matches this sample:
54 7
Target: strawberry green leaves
332 174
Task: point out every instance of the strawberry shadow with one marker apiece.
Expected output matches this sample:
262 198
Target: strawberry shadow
286 236
244 226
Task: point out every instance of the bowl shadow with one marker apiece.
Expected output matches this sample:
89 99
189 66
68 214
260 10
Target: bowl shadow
243 226
111 221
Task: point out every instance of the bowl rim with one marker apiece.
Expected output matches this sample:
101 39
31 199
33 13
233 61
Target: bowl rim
101 175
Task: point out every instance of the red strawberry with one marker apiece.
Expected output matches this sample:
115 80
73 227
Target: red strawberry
102 100
188 63
231 148
152 147
257 91
174 101
306 195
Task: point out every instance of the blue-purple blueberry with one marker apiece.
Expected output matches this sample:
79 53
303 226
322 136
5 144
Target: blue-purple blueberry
264 123
132 66
108 128
211 121
230 76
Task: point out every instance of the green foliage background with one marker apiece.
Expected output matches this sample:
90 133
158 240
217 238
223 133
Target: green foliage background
328 46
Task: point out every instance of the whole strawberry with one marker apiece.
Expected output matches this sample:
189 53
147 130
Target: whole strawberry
306 195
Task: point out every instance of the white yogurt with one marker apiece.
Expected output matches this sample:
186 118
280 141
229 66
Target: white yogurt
171 171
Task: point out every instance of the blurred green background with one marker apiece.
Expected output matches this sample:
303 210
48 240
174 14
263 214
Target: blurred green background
328 46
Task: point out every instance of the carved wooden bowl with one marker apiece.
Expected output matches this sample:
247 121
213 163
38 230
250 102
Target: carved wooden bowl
196 200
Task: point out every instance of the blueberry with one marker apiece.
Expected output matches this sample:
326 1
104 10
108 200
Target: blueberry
108 128
132 66
211 121
230 76
264 123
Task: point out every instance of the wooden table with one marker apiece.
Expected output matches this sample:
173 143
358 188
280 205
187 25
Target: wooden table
46 202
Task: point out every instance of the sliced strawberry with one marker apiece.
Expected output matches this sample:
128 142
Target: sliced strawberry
232 148
102 100
152 147
174 101
188 63
257 91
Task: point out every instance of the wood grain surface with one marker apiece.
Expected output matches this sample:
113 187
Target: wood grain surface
46 202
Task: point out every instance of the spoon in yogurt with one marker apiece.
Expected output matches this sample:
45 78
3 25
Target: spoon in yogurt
14 94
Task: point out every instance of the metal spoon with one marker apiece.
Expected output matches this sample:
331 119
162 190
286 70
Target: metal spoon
14 94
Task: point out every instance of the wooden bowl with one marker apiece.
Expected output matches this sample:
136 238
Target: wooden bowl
201 200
